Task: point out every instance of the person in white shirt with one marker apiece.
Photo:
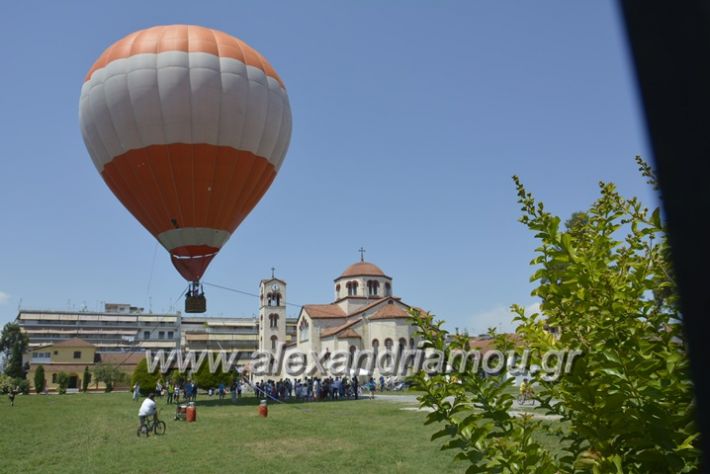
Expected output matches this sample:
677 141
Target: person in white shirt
148 408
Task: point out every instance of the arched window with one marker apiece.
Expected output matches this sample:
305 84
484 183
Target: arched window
411 343
388 289
303 330
402 345
373 287
375 345
388 344
351 358
273 342
337 288
268 299
273 320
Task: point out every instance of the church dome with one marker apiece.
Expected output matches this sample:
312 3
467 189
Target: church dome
363 269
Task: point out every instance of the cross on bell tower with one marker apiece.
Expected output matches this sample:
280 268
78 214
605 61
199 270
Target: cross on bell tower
362 254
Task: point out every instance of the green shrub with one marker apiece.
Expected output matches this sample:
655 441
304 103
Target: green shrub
7 383
39 380
23 385
203 378
606 284
62 382
109 374
86 380
146 381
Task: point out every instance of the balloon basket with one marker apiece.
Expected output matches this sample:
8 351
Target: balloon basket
195 304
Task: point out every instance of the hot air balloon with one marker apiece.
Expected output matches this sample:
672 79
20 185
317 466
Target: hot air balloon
188 127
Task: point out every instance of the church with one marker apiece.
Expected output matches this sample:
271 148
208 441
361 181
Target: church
364 315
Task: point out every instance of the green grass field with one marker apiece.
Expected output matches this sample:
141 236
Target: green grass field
97 433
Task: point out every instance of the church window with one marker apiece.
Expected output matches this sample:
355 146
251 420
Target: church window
402 344
411 343
375 345
273 342
388 344
303 330
388 289
373 287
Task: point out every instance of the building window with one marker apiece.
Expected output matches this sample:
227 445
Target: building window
388 289
303 330
146 334
411 343
77 354
402 345
273 342
388 344
273 299
170 334
375 345
373 287
273 320
352 288
161 334
54 378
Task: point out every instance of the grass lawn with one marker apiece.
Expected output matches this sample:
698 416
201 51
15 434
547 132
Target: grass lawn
97 433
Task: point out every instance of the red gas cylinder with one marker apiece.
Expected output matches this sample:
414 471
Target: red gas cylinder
263 409
191 413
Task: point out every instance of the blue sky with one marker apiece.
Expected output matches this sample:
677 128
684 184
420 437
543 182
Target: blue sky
409 120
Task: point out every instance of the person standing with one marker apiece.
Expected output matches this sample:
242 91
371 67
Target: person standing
12 394
169 391
136 391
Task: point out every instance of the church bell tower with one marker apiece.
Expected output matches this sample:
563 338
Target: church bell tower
272 313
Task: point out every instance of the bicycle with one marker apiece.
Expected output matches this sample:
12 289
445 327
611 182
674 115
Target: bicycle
156 426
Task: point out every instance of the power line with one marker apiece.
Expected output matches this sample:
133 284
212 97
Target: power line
242 292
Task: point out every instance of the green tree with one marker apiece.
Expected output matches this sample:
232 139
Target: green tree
108 374
39 380
145 380
205 379
62 382
13 343
86 380
627 403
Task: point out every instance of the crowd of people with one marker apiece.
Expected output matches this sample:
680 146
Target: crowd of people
306 389
315 388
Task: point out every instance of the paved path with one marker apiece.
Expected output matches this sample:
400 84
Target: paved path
405 398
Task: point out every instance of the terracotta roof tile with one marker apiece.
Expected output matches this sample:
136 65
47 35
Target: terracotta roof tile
389 311
322 311
74 342
362 269
335 330
348 333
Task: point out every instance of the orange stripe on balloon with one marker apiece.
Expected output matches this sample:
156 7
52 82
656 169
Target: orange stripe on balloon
189 185
185 38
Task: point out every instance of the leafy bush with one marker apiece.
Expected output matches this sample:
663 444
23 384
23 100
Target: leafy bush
62 382
145 380
606 284
39 380
7 383
86 380
23 385
109 374
203 378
